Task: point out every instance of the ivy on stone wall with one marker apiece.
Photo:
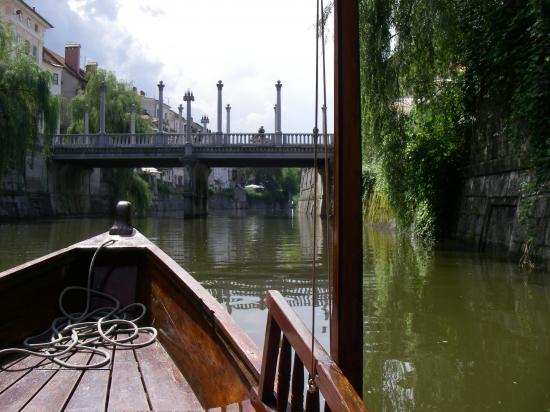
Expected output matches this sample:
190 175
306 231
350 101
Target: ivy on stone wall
433 73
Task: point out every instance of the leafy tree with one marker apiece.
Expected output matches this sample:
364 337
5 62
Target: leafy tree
25 103
435 74
280 184
119 98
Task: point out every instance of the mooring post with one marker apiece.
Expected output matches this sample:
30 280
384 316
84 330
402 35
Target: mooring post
161 112
102 139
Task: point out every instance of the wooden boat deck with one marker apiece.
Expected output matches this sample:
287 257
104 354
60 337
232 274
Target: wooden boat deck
137 379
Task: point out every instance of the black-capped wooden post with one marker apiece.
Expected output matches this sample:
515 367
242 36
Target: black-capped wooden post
346 344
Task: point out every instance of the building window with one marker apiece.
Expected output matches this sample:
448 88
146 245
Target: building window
55 78
28 22
35 52
36 27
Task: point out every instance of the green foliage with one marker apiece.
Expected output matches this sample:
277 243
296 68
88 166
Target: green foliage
25 100
128 185
281 184
119 98
506 54
436 74
414 135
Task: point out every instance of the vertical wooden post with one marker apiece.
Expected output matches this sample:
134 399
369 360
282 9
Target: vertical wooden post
346 344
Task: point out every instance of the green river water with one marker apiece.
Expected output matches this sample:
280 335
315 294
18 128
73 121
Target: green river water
443 331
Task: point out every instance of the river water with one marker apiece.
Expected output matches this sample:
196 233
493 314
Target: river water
443 331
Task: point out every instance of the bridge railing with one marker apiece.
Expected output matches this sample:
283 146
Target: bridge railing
180 139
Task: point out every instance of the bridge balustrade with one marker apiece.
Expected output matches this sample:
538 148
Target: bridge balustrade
179 139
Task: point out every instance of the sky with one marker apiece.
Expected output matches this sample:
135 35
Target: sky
248 44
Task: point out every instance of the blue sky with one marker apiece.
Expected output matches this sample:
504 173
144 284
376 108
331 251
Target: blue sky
248 44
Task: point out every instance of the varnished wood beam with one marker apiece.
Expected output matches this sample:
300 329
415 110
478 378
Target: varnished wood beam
347 316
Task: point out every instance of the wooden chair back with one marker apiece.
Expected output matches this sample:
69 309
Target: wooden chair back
287 337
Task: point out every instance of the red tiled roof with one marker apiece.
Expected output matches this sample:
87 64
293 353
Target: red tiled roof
53 57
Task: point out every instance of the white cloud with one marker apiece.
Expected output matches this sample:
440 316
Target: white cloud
248 44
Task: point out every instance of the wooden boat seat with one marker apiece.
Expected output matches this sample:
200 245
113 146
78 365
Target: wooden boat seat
137 379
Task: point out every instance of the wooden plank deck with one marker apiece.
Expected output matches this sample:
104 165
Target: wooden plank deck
137 379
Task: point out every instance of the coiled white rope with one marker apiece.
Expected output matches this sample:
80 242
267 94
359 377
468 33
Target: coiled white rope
91 331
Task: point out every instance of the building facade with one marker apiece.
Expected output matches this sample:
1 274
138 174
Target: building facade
27 26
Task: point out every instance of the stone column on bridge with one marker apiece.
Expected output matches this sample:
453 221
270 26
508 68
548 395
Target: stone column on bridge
228 120
133 123
188 98
161 107
204 121
86 123
180 119
220 86
275 111
102 140
133 118
102 108
278 86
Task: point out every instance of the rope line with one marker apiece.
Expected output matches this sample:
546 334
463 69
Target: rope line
312 387
327 169
89 331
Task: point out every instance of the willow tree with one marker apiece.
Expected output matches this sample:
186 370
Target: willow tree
119 98
432 73
26 105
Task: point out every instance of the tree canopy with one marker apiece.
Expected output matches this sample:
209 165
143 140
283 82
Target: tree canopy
25 101
119 98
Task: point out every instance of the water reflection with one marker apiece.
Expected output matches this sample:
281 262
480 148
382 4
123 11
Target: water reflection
452 331
239 257
443 331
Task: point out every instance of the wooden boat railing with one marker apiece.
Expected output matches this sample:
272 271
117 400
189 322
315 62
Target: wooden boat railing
286 333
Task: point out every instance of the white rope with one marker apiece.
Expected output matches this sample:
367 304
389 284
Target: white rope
89 331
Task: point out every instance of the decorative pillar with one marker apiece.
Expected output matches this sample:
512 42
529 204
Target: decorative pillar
278 85
161 107
275 110
220 86
86 120
204 121
188 98
133 119
228 121
180 119
102 108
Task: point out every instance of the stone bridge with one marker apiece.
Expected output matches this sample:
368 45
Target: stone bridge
180 149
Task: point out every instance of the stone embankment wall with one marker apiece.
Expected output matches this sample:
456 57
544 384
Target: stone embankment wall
47 189
235 199
167 203
495 211
306 200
